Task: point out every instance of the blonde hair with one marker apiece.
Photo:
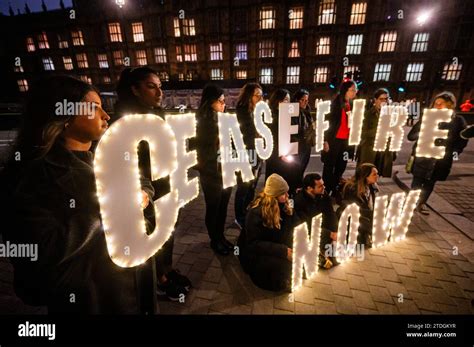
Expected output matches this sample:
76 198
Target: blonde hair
270 210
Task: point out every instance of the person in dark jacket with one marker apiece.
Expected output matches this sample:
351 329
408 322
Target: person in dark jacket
311 201
265 244
49 198
250 95
366 154
361 189
139 91
209 167
427 171
336 151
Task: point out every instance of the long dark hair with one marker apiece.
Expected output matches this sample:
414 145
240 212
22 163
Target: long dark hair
277 97
340 98
41 127
358 183
210 93
132 77
246 94
298 95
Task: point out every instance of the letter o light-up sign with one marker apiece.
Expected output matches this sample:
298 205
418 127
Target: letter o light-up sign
118 183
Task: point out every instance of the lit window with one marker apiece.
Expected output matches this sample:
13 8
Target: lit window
48 64
103 62
349 71
451 72
82 61
217 74
190 75
387 42
293 75
266 49
62 42
414 72
241 74
115 32
179 54
190 53
68 63
420 42
358 12
294 51
188 27
322 45
216 51
23 85
327 12
267 18
164 77
177 32
181 76
118 58
43 41
77 38
30 45
160 55
137 30
382 72
296 18
354 44
321 74
241 51
266 75
106 80
18 68
86 79
140 55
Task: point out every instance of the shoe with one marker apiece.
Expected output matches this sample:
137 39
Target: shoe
236 222
181 280
422 209
219 248
171 290
228 244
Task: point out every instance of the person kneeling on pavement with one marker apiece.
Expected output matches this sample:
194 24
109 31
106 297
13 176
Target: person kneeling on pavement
265 244
311 201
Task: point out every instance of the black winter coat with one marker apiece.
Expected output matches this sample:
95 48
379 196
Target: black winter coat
307 207
206 144
52 202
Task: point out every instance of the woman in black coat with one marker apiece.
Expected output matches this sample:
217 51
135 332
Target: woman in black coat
427 171
49 198
361 189
265 243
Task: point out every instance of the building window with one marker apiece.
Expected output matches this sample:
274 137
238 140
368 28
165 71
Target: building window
48 64
322 45
266 75
164 77
23 85
18 68
241 51
177 32
349 71
321 74
43 41
179 54
294 51
190 53
420 42
266 49
103 62
267 18
241 74
115 32
118 58
82 61
77 38
188 27
327 12
190 75
62 42
451 72
216 51
382 72
160 55
137 30
140 55
106 80
86 79
180 76
217 74
388 39
354 44
296 18
358 12
68 63
30 45
293 75
414 72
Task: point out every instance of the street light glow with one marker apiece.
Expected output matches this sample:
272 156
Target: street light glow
120 3
423 17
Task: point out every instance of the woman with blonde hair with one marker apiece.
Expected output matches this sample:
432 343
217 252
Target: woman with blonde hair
266 241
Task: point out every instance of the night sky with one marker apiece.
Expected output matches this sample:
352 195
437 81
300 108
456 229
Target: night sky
35 5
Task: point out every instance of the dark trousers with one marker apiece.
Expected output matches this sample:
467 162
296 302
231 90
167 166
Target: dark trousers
243 197
271 273
426 186
304 155
335 162
217 199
